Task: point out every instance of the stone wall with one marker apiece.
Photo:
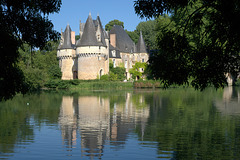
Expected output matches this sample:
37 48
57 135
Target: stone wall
92 62
90 65
66 63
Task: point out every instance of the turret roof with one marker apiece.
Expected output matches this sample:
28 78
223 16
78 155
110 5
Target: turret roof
67 42
89 34
141 47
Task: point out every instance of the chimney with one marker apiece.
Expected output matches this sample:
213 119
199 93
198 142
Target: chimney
113 40
73 37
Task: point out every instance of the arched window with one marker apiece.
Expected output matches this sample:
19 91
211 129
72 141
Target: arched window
114 63
100 72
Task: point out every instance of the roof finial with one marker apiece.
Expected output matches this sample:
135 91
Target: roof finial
98 14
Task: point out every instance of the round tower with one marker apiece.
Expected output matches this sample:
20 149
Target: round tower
92 51
66 54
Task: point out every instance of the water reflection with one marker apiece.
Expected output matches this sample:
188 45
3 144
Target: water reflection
100 121
230 102
167 124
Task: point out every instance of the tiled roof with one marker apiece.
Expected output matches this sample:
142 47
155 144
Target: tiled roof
67 42
123 41
141 47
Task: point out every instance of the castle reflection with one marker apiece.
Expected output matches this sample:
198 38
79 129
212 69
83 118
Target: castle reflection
100 121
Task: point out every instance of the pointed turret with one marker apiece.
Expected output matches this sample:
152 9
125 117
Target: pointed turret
103 33
88 37
141 47
67 42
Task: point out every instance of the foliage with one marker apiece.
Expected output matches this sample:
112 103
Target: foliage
136 71
77 37
117 73
148 32
22 21
96 84
202 41
104 77
133 35
110 24
40 66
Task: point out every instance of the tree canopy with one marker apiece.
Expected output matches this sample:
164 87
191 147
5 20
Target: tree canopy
21 22
110 24
200 41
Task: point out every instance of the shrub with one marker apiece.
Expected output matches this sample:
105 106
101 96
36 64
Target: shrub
104 77
54 72
63 85
35 78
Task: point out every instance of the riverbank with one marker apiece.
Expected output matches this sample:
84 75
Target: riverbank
76 85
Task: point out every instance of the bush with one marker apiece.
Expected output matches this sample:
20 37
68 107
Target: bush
120 72
35 78
74 82
52 83
104 77
54 72
59 84
63 85
113 77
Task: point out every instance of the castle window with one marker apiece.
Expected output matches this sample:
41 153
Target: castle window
142 60
114 63
113 53
101 72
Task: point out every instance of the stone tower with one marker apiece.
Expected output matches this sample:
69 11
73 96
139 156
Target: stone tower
92 50
141 49
66 54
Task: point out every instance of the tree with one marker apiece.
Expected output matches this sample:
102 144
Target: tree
203 43
148 32
133 35
110 24
22 22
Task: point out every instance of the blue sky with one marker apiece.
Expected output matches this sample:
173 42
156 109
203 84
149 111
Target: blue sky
74 10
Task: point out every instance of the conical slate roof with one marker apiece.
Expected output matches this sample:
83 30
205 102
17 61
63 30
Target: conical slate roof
67 42
123 41
89 35
141 47
103 33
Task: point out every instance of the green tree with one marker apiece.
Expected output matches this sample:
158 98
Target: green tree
110 24
22 21
44 65
133 35
203 45
148 32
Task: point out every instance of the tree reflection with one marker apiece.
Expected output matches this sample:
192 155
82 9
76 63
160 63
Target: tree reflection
189 125
184 123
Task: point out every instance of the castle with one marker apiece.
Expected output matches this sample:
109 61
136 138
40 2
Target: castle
89 57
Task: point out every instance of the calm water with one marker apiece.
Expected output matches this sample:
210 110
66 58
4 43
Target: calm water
139 124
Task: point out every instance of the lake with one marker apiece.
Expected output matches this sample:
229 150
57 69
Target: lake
135 124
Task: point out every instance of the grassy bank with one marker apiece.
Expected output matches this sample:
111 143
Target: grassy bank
88 85
76 85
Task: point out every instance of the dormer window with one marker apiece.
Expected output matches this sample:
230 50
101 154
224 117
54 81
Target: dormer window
98 37
113 53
